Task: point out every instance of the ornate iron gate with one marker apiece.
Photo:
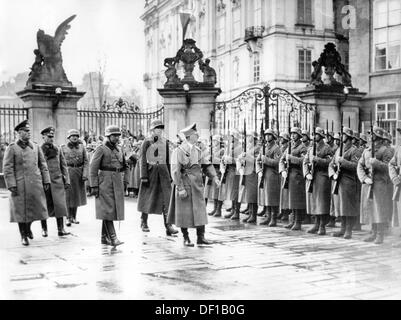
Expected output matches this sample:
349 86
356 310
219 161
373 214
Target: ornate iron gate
10 116
120 113
263 104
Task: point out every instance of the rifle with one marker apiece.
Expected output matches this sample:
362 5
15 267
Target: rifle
337 174
309 183
262 140
223 165
370 189
287 164
242 169
211 142
397 190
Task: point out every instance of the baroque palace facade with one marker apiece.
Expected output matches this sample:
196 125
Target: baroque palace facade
248 42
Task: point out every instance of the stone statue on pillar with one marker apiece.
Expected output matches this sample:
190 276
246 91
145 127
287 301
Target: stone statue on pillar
209 74
330 60
48 65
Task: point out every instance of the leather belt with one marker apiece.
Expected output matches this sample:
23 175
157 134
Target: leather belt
73 165
112 169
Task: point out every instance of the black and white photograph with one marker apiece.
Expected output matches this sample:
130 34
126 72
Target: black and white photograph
213 152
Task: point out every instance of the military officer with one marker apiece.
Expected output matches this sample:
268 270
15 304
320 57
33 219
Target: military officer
155 186
284 205
108 172
343 170
27 178
230 176
394 172
78 169
211 189
290 166
315 172
60 181
187 207
248 184
269 180
374 173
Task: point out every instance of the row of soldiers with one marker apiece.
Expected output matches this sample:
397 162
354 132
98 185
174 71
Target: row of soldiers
327 179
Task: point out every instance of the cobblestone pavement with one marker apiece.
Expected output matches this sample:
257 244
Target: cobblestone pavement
246 262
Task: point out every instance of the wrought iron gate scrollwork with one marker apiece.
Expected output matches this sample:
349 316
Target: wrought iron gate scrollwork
121 113
262 104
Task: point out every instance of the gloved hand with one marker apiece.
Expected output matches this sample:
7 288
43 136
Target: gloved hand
182 193
217 182
368 181
145 182
397 181
284 174
95 192
13 191
46 186
309 177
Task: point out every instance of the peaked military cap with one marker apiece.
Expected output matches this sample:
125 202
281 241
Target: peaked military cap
191 129
48 130
320 132
156 123
72 132
22 125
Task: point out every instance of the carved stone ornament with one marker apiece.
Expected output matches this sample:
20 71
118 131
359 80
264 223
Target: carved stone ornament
48 65
209 74
171 72
221 6
236 3
188 55
330 60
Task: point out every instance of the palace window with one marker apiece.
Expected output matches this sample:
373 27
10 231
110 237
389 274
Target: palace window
236 22
304 64
387 116
387 34
305 12
256 67
220 30
258 13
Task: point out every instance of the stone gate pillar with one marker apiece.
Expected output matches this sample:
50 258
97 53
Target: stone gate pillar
331 91
187 100
48 108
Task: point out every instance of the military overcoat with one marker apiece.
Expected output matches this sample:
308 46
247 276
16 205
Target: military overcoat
78 170
59 177
110 203
25 168
381 206
296 184
230 188
346 202
394 171
269 195
321 187
187 164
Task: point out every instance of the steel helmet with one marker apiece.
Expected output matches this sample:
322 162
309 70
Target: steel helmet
112 129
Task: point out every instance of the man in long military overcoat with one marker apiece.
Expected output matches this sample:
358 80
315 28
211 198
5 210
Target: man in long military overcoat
155 188
77 160
27 177
291 164
108 173
269 178
187 206
377 186
343 169
318 183
284 205
60 181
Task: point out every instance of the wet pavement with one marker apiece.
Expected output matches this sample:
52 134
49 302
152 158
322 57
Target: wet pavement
246 262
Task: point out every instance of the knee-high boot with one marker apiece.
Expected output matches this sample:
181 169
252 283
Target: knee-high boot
342 230
170 231
298 220
373 235
144 222
104 238
253 207
291 219
322 226
200 232
315 227
349 224
74 216
70 213
237 207
273 221
380 227
268 211
44 228
24 236
187 241
111 232
60 227
214 208
28 230
217 213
